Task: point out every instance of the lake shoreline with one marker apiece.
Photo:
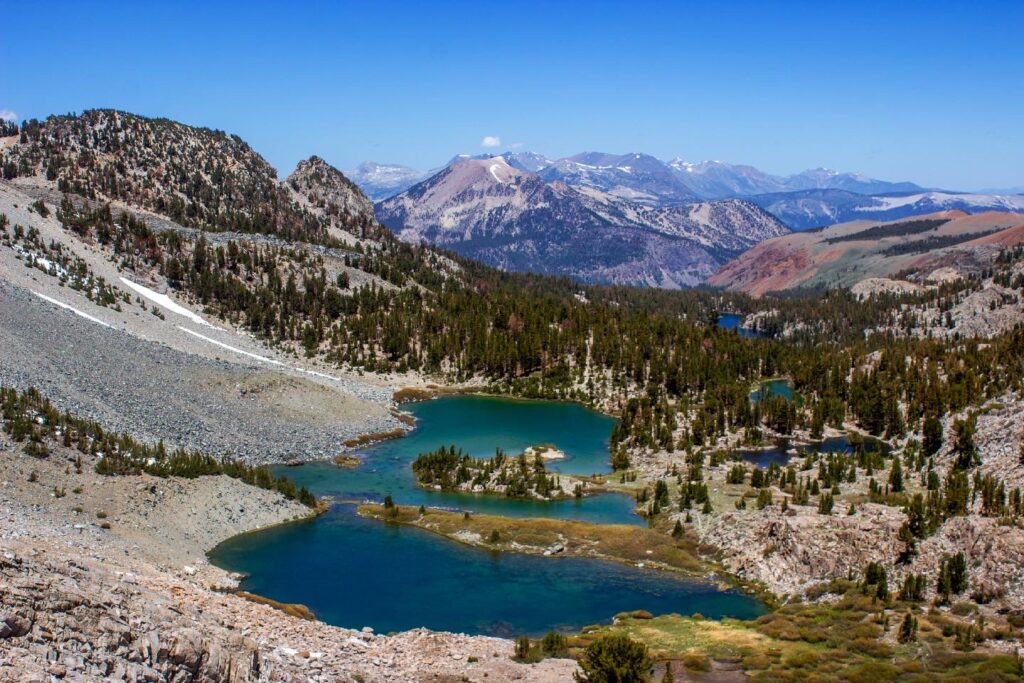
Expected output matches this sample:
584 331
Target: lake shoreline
569 538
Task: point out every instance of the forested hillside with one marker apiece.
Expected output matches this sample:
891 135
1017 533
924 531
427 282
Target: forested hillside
434 313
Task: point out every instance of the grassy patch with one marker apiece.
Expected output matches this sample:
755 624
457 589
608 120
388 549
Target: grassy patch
843 641
290 608
349 462
366 439
608 541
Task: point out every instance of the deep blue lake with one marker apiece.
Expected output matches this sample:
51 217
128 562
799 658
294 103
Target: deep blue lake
356 572
833 444
734 321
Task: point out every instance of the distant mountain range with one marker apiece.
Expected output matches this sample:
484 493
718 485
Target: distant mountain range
813 198
596 230
642 177
815 208
380 181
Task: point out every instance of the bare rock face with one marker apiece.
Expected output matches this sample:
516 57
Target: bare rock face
788 552
62 619
872 286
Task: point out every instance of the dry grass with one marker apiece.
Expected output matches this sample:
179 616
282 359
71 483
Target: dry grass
290 608
619 542
367 439
347 461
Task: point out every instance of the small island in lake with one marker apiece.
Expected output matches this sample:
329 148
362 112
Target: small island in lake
522 476
349 462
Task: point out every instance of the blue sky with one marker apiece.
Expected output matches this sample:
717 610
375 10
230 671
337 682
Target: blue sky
931 92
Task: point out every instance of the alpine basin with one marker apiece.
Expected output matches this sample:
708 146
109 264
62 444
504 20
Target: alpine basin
356 572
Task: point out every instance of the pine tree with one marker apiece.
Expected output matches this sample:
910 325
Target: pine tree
825 504
613 659
908 629
932 435
965 448
896 476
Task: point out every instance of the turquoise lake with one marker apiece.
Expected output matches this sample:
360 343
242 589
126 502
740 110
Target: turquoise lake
356 572
773 387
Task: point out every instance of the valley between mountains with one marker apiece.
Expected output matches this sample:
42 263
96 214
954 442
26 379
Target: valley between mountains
188 344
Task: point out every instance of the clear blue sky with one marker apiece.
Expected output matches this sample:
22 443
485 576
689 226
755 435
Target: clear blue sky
931 91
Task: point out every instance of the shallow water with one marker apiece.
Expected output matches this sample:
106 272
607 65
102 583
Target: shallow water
356 572
773 387
478 425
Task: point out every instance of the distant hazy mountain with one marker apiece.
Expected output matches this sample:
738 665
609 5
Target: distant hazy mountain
813 198
635 177
713 179
379 181
527 161
827 179
517 220
815 208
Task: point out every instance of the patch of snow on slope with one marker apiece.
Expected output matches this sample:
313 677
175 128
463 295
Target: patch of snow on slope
1009 203
166 301
231 348
494 173
256 356
72 309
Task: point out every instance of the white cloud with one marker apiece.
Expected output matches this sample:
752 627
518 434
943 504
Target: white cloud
515 145
8 115
491 141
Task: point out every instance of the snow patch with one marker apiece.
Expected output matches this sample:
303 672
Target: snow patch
1006 203
74 310
235 349
166 302
258 357
494 173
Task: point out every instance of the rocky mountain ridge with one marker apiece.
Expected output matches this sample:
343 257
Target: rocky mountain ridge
197 177
813 208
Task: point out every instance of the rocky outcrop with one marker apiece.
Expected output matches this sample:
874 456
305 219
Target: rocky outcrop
874 286
327 188
789 551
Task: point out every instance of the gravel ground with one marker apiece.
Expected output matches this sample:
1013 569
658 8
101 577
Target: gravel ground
156 392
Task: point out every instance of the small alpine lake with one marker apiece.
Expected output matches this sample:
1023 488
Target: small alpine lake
358 572
783 455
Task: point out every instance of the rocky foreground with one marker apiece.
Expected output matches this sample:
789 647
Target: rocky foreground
104 578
